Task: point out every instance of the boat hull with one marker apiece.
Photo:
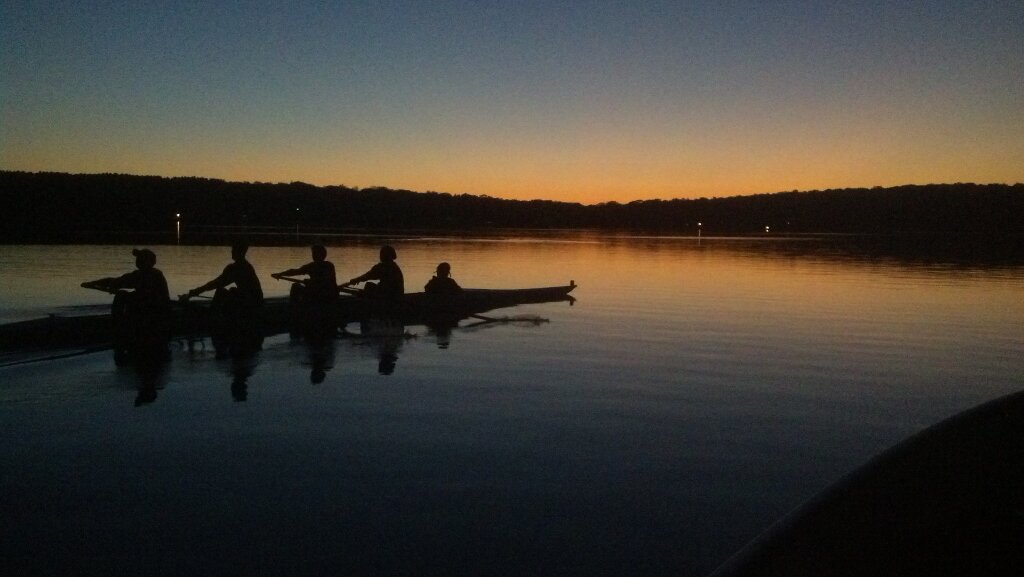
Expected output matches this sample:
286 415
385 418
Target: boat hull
196 319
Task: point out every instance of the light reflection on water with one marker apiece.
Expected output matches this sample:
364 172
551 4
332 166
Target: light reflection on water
694 393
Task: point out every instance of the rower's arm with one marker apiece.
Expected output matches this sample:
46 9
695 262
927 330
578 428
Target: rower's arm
98 284
370 275
219 282
111 284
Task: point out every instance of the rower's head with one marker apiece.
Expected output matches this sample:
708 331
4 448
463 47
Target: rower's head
238 251
319 252
444 269
144 258
387 253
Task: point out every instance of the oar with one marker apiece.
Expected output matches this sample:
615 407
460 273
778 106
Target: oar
107 290
185 297
518 319
291 279
181 298
341 289
55 357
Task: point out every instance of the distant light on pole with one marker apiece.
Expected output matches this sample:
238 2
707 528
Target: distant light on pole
177 227
766 229
699 225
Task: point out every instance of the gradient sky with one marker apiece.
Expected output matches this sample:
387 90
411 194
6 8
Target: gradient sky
578 101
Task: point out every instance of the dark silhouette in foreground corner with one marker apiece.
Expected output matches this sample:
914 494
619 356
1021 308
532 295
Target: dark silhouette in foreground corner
236 326
312 301
390 285
141 315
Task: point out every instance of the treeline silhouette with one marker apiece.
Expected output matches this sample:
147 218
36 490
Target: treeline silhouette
48 207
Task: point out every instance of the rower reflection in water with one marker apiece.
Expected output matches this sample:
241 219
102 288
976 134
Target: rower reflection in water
242 367
236 310
388 355
321 360
141 317
150 379
312 301
442 331
390 285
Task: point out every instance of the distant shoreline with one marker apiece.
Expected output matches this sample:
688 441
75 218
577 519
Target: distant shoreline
965 251
47 207
266 236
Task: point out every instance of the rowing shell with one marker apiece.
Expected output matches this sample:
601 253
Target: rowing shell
192 319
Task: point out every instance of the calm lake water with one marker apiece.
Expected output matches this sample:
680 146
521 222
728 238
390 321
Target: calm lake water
694 393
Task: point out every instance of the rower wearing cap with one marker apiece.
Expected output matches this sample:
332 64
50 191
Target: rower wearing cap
150 294
140 316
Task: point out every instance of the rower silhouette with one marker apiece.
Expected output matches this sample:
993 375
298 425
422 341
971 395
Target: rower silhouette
236 323
442 284
322 284
390 285
311 301
247 292
141 315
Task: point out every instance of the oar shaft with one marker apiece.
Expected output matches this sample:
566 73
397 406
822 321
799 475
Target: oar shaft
291 279
341 289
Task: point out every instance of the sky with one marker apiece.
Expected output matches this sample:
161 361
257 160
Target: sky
583 101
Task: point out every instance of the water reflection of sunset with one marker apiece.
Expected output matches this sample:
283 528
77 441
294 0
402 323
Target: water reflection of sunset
688 374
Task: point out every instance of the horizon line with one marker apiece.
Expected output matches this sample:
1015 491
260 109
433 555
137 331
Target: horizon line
484 195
